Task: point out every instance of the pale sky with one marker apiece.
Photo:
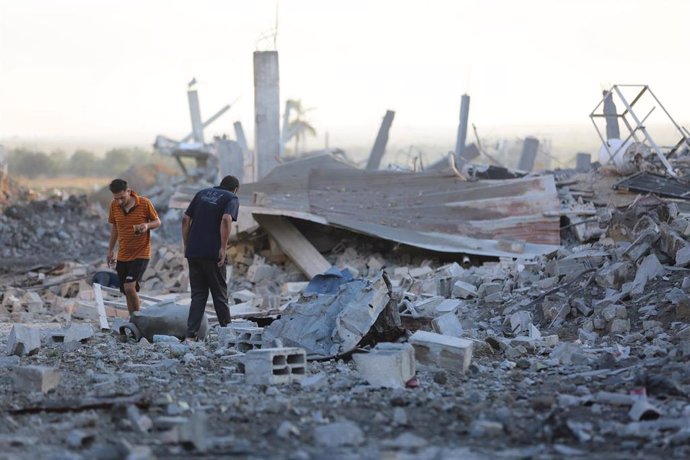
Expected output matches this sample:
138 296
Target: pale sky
118 70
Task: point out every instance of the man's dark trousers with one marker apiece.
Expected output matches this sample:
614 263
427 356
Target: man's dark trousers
205 275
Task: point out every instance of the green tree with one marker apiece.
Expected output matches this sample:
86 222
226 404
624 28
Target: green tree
28 163
83 163
59 162
116 161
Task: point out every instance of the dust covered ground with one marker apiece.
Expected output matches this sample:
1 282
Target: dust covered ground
563 348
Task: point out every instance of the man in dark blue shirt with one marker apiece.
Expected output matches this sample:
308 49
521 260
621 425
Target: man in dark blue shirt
206 227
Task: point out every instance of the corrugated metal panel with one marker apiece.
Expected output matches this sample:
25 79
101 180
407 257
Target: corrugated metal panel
436 211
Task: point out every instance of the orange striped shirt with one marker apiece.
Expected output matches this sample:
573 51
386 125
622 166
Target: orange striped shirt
131 246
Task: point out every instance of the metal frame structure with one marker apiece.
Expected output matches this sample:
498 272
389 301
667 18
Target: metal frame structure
637 129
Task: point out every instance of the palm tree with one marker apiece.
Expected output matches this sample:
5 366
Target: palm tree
297 127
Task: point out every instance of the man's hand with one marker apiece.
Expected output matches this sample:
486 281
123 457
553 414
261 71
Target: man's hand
110 259
140 228
221 257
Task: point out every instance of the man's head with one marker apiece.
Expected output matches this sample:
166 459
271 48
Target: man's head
121 193
230 183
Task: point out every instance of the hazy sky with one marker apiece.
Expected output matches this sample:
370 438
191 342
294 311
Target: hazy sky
118 70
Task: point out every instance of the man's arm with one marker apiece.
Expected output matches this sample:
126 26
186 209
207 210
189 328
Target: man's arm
153 224
225 229
186 225
111 244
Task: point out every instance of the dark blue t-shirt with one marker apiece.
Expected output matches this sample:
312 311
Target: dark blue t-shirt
206 210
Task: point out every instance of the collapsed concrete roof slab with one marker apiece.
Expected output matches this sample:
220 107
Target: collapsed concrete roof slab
434 211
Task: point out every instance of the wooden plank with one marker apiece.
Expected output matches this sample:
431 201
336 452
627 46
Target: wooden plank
100 306
294 244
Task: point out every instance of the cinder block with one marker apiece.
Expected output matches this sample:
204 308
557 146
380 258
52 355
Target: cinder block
389 365
270 366
242 338
436 350
464 290
36 378
23 340
447 324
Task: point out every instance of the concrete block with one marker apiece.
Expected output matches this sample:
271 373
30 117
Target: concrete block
420 272
487 289
23 340
243 296
451 353
447 324
375 264
242 338
389 365
427 306
35 378
464 290
448 306
270 366
33 302
74 333
614 275
619 326
683 257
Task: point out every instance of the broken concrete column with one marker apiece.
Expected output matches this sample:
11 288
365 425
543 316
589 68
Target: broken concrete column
23 340
271 366
389 365
36 378
450 353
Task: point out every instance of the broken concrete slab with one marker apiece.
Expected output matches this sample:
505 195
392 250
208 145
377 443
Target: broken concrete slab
23 340
649 269
328 325
436 350
389 365
73 333
36 378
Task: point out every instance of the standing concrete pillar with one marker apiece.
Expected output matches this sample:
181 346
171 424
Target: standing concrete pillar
195 114
611 114
381 141
530 147
462 126
266 111
583 162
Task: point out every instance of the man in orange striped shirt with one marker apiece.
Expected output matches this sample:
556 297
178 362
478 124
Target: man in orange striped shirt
131 217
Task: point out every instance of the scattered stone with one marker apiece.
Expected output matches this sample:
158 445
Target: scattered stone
438 350
339 434
36 378
23 340
389 365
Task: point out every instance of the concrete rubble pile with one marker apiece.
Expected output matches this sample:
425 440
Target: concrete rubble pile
56 228
582 350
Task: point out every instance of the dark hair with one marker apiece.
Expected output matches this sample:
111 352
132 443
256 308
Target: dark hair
118 185
230 183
